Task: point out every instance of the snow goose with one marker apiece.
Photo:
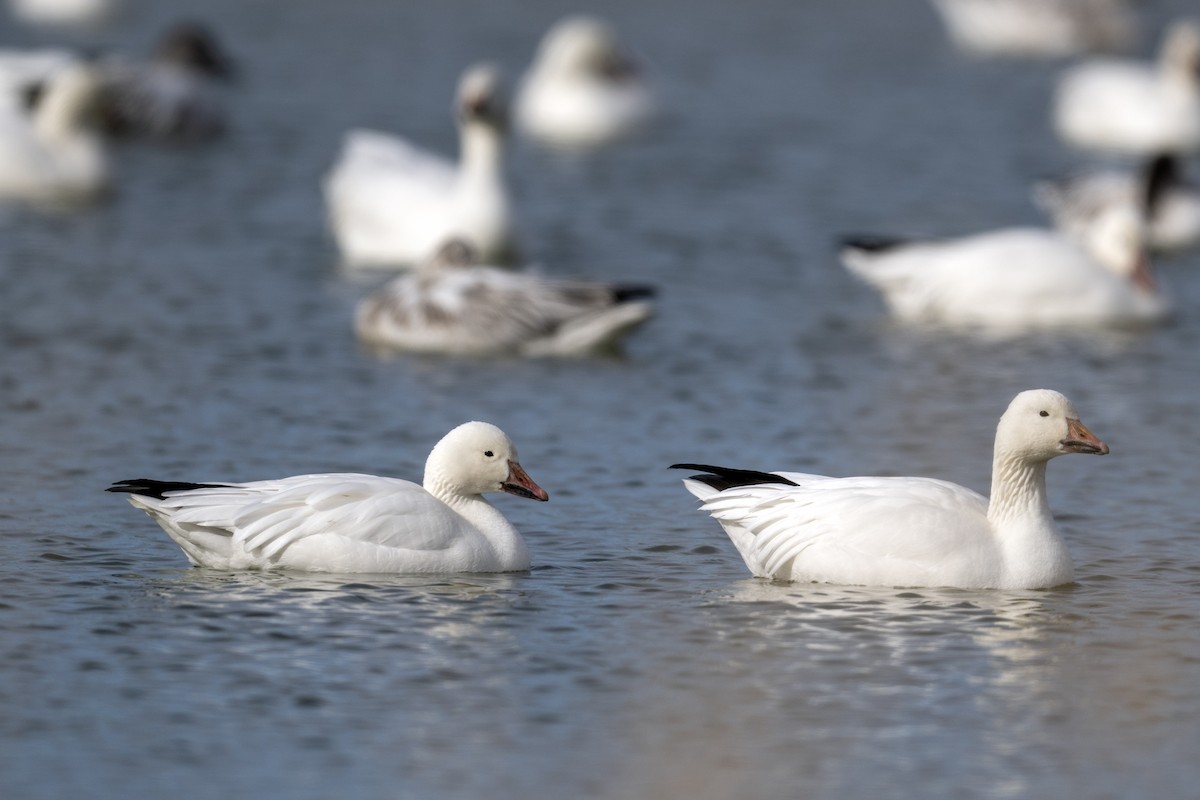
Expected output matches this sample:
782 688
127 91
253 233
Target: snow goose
355 523
582 89
1132 107
52 152
453 306
393 204
172 96
900 531
1170 203
1017 278
64 12
1037 28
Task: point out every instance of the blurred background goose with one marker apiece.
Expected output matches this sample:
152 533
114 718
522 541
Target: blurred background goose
1132 107
70 13
902 531
1016 278
454 306
393 204
173 95
583 89
1037 28
52 152
1158 190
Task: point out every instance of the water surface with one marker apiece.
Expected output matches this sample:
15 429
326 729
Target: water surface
197 327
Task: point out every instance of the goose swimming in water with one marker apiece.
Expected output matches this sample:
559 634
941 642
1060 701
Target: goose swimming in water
900 531
1135 108
583 90
455 306
52 152
355 523
1016 279
392 204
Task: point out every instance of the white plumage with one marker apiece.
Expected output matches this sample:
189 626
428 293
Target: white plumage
1018 278
904 531
393 204
582 89
1132 107
53 154
1037 28
355 523
1159 190
64 12
453 306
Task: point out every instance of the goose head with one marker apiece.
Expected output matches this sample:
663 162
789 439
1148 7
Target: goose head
585 46
455 253
194 47
1116 239
481 98
1041 424
476 458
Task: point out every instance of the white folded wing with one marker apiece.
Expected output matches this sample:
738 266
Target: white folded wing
339 522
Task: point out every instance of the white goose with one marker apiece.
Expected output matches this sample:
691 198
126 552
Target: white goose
1133 107
1016 279
52 153
64 12
582 90
910 531
453 306
393 204
355 523
1170 203
1037 28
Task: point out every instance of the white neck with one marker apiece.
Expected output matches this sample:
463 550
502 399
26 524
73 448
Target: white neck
1025 531
482 153
59 115
1018 489
504 539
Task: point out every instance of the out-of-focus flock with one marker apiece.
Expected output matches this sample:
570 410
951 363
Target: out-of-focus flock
451 224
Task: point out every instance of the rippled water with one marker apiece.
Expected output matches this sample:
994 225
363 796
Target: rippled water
197 327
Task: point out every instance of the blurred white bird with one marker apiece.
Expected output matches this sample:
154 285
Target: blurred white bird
1016 279
583 90
453 306
64 12
1159 190
1135 108
1037 28
355 523
51 152
393 204
903 531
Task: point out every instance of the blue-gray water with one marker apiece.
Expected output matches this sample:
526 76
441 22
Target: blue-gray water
197 327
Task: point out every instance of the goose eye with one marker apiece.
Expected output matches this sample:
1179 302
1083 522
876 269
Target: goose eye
1043 413
488 453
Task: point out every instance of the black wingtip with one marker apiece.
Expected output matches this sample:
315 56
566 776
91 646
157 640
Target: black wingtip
870 242
147 487
626 293
1161 173
722 478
